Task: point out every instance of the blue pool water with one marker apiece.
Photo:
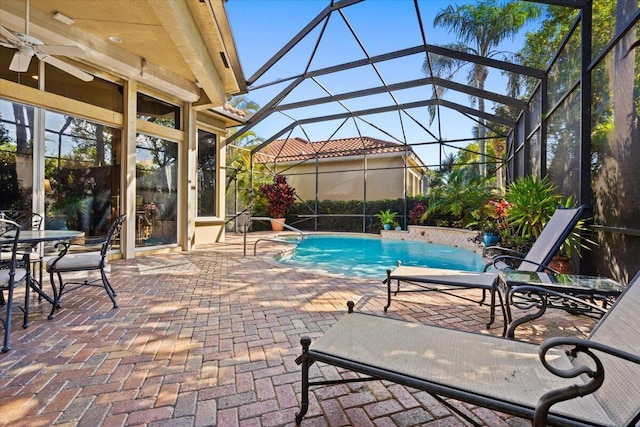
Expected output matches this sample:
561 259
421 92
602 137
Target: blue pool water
371 256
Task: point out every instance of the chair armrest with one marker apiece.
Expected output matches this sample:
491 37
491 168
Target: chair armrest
510 261
490 252
63 248
597 376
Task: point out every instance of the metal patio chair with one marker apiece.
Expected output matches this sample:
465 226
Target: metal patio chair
423 279
564 381
13 271
85 262
27 220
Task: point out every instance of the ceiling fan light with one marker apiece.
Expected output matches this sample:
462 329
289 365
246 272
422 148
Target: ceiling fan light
115 39
63 18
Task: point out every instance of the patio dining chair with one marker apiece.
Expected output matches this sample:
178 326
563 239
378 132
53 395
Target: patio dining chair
27 220
65 263
422 279
13 271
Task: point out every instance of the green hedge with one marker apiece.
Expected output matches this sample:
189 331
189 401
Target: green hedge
299 215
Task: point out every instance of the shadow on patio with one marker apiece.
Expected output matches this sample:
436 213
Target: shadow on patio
209 338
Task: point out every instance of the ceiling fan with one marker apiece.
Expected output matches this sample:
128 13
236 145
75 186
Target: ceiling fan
28 46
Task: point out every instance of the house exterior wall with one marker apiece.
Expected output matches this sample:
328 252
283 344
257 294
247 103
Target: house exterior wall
344 178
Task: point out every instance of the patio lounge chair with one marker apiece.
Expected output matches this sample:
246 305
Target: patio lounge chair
543 250
537 382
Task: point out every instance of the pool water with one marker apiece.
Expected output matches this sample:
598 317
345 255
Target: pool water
371 256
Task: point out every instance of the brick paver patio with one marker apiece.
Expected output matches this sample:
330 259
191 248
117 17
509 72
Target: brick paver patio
209 338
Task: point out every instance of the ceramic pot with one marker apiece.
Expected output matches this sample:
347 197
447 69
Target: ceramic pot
490 239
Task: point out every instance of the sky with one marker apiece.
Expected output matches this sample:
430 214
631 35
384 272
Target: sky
262 27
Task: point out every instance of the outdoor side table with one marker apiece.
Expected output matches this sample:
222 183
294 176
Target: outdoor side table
588 295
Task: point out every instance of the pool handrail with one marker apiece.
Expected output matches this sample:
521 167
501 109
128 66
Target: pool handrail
269 239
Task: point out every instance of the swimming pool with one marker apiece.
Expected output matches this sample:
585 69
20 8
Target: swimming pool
366 256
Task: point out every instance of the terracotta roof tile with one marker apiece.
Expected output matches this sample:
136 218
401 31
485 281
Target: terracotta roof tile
296 149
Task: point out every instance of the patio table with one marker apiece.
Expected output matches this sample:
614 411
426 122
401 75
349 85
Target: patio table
577 294
34 237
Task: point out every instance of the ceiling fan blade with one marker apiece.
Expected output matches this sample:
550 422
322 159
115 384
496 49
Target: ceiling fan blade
12 38
71 69
62 50
20 62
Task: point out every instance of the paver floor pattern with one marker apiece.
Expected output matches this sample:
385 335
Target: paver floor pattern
209 338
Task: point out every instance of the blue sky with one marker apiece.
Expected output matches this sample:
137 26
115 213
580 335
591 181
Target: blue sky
262 27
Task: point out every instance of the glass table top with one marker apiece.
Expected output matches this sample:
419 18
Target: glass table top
561 281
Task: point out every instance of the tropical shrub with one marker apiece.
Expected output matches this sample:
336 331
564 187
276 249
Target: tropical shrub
280 196
533 202
415 214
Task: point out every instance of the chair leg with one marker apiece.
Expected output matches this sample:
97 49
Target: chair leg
7 321
25 320
108 288
492 309
56 293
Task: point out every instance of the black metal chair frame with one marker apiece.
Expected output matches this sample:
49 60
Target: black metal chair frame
27 220
13 264
57 266
588 354
500 258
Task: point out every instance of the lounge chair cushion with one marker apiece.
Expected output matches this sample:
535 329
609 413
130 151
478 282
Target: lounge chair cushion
443 276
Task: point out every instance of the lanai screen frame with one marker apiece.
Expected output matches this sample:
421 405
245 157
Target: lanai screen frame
529 125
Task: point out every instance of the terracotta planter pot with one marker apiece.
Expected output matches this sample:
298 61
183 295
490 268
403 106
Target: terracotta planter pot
562 264
276 224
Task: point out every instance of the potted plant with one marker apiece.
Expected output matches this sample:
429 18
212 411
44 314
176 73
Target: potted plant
533 203
490 219
387 218
280 197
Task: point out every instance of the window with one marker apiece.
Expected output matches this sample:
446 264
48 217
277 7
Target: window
160 112
156 191
16 165
81 168
206 172
82 174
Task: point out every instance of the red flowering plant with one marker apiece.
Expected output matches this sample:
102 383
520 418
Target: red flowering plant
492 216
415 214
280 196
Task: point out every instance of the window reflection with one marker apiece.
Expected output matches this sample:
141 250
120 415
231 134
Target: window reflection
154 110
81 174
16 148
156 191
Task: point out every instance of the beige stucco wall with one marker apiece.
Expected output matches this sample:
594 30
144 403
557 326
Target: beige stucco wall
344 178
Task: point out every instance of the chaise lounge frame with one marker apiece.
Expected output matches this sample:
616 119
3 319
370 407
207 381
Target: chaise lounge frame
425 279
593 382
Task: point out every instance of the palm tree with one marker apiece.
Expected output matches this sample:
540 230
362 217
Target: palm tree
479 28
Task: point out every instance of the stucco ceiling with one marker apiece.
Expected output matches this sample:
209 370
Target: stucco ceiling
179 46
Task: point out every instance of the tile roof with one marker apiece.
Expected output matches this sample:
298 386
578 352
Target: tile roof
297 149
